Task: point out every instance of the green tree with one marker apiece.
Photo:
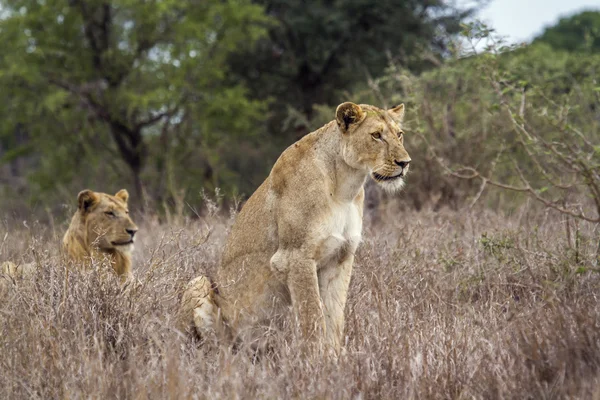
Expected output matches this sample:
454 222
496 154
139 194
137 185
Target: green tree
317 51
580 32
87 79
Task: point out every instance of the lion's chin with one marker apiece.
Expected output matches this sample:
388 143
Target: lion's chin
391 184
125 246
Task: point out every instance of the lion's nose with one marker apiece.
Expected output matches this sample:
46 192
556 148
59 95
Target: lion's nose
402 164
131 232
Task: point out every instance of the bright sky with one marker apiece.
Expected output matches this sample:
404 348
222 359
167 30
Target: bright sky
521 20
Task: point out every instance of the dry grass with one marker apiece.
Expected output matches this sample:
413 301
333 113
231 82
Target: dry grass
442 305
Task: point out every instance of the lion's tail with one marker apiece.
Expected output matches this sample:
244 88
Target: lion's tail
198 309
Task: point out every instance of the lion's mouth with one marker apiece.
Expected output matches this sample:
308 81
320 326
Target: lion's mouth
386 178
130 241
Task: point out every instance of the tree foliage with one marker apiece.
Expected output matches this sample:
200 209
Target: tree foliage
170 98
580 32
317 51
94 83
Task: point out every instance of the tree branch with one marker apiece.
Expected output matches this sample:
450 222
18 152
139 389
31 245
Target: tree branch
156 117
474 174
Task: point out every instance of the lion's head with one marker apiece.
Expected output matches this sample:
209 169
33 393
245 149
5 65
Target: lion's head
373 141
102 223
106 220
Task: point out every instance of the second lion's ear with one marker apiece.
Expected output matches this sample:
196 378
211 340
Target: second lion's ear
86 200
348 114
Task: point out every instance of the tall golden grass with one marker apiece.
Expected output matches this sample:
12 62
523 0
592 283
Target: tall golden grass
443 305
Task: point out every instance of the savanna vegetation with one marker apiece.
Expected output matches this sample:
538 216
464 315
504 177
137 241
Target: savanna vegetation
479 280
165 96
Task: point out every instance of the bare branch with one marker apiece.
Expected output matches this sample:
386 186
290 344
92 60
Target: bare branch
156 117
522 108
479 192
522 189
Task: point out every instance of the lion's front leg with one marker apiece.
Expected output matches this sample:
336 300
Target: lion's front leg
304 290
303 285
334 280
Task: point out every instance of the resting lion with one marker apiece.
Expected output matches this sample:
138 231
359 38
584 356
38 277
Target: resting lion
101 225
293 242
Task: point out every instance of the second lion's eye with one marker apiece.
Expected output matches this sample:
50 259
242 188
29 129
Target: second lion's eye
376 135
110 213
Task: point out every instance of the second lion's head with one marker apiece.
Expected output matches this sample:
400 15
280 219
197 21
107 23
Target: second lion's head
106 220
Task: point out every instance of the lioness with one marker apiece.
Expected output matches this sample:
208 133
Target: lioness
101 225
294 240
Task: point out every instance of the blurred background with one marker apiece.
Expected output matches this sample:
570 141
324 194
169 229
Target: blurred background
176 99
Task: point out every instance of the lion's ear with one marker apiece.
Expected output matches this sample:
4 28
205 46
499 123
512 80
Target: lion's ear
348 114
397 113
87 199
123 194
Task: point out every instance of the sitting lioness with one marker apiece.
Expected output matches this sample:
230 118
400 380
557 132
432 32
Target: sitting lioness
100 226
294 240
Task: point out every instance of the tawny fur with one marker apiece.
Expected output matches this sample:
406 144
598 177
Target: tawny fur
293 242
100 226
11 272
194 310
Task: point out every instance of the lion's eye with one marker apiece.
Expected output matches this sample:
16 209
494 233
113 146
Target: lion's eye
376 135
110 213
